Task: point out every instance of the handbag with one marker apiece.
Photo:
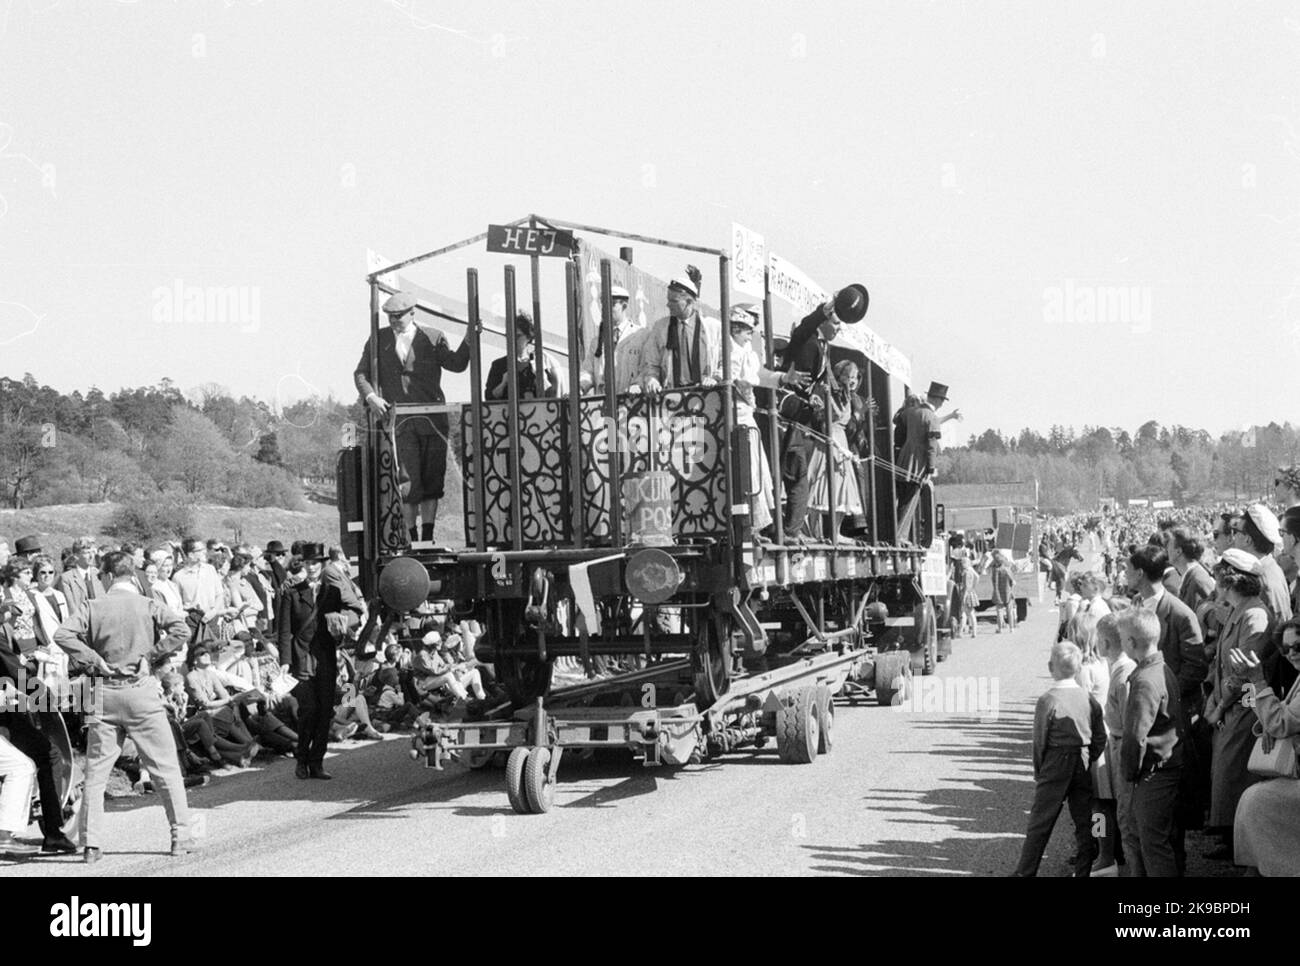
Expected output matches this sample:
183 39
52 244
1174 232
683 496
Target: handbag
1271 757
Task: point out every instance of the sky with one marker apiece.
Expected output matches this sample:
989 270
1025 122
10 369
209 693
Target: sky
1069 213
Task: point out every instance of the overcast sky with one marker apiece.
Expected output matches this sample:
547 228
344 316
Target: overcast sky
989 171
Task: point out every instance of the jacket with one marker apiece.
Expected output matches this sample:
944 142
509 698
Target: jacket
302 631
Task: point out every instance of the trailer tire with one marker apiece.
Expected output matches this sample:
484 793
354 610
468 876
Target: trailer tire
538 787
893 668
825 719
797 733
515 780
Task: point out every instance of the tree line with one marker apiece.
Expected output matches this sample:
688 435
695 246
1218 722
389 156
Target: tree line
1076 471
155 443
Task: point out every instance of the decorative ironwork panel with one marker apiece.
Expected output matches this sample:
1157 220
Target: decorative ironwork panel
543 476
594 487
393 537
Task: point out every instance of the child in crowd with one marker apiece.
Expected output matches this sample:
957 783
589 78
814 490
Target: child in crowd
1068 738
1003 579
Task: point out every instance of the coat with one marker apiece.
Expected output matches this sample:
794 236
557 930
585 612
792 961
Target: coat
303 635
1180 643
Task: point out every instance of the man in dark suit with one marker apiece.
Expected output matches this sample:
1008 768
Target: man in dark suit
1185 551
80 581
1180 631
314 616
275 555
410 362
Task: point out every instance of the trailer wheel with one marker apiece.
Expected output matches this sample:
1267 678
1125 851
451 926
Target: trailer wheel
825 719
525 679
515 780
893 669
711 661
1022 609
797 733
538 787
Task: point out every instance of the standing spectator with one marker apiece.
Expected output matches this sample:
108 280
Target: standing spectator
1003 579
51 603
1266 832
1151 750
315 616
79 581
276 557
1228 709
116 637
1260 535
242 603
1115 794
202 593
1185 551
165 590
1180 632
1068 738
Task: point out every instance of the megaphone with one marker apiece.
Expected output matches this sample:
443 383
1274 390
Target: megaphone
851 303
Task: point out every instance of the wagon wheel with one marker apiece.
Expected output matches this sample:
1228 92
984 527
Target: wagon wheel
539 788
515 780
927 635
711 660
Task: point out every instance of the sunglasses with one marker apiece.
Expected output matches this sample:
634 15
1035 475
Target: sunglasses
42 573
1286 648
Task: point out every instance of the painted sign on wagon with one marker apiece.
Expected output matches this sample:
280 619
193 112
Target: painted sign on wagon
648 498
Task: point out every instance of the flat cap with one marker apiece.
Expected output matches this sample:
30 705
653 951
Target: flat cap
399 303
618 292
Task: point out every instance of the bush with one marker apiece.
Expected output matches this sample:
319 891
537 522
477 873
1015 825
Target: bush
253 484
143 520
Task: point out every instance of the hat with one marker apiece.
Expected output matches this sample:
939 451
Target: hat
746 313
850 303
275 546
1265 522
618 292
684 284
431 639
937 390
399 303
313 551
1240 561
30 544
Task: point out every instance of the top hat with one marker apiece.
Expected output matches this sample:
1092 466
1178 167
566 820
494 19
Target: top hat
25 545
313 551
851 303
937 391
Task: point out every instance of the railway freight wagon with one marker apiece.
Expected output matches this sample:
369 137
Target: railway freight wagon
615 532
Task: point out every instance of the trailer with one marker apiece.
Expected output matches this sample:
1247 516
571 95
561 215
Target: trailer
1001 516
607 526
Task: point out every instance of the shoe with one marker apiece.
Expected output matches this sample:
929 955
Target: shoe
91 856
426 533
1105 871
183 843
12 848
302 771
370 734
217 760
318 771
58 845
196 781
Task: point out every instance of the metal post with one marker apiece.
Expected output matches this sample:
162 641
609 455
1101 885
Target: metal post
829 396
370 479
576 507
728 415
774 427
476 413
611 407
539 350
512 415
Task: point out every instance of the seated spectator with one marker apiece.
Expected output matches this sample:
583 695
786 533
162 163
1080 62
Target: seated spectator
1267 824
438 674
351 713
209 693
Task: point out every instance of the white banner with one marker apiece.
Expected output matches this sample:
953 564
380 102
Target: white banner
862 338
789 283
376 261
748 261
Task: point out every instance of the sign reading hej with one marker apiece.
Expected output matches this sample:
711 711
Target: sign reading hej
523 240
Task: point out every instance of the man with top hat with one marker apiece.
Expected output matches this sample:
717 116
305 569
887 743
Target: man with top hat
629 337
683 348
806 360
314 616
411 359
923 429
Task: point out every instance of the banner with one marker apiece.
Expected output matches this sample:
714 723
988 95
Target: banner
748 261
788 282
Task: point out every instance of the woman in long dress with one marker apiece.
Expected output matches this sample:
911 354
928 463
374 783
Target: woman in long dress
848 498
1266 830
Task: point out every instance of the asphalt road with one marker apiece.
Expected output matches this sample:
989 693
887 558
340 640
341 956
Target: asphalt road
939 789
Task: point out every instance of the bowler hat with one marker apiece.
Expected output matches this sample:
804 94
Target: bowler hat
275 546
30 544
851 303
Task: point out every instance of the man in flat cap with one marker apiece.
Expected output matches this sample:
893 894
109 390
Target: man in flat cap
411 359
683 348
629 337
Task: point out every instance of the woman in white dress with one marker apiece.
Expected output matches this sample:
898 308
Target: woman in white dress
848 498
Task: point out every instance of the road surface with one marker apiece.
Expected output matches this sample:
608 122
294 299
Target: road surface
935 790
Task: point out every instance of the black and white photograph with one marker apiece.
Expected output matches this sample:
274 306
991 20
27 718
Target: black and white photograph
551 438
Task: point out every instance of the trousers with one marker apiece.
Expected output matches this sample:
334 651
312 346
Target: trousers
1154 798
315 712
28 738
18 772
138 713
796 454
1062 780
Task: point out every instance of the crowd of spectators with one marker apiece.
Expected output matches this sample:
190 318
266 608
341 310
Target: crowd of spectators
228 693
1181 632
